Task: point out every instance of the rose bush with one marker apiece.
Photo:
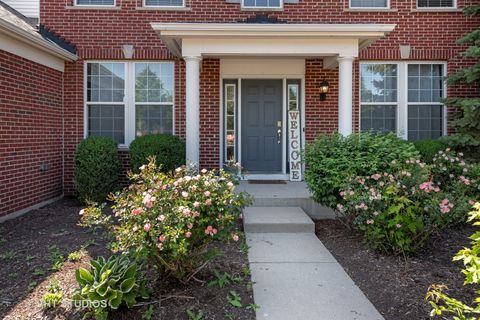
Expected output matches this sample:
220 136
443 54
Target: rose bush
169 219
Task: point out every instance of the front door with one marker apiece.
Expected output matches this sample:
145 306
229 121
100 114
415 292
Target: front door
262 126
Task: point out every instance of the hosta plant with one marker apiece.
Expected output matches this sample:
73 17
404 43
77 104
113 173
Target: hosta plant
445 306
108 285
169 219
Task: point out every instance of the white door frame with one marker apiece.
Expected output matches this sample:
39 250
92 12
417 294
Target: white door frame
284 175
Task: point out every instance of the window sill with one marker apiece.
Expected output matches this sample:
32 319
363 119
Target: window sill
262 9
370 10
437 10
93 8
163 9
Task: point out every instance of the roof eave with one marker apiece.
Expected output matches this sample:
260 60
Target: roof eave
39 43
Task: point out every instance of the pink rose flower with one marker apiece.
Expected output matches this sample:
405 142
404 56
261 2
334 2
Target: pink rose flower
161 217
196 204
370 221
137 211
190 226
208 202
207 193
185 194
162 238
147 227
188 234
235 237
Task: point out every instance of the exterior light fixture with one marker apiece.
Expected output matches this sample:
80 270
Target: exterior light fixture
323 90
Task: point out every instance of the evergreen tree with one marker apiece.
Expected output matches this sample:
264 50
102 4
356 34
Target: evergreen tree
467 119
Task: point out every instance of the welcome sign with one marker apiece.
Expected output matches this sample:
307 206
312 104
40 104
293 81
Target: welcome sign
294 146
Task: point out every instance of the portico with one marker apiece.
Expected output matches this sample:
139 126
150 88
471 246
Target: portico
261 70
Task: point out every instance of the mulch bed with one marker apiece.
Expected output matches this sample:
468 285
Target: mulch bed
26 246
396 286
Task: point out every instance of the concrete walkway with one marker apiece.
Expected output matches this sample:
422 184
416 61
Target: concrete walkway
294 275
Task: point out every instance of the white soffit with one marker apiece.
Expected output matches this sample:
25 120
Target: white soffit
177 35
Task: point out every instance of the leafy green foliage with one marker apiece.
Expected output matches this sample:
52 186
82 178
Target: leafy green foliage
75 256
192 315
38 272
168 150
332 158
108 285
234 299
53 297
31 286
96 168
428 148
57 259
253 306
148 314
223 279
169 219
444 305
467 120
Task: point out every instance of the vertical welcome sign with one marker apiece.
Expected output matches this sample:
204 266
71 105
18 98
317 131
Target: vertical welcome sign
294 154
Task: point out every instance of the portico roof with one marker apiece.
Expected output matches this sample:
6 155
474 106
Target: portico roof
177 36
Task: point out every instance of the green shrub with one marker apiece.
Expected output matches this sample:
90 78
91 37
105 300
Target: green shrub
448 307
169 151
96 168
53 297
168 220
108 285
428 148
331 159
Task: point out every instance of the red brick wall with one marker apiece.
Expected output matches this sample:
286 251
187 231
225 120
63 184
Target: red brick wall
100 34
30 133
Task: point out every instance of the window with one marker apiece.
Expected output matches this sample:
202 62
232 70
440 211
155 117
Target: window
261 4
95 2
125 100
230 122
425 93
379 97
105 100
369 4
164 3
404 98
436 4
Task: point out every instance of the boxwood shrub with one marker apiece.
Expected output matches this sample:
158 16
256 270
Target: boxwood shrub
169 151
428 148
96 169
331 159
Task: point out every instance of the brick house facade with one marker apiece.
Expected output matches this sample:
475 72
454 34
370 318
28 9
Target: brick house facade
219 45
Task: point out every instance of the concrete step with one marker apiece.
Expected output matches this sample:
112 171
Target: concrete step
277 220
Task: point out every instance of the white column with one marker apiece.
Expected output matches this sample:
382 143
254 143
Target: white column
345 87
192 88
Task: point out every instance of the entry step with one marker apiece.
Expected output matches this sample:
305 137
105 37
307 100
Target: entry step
277 220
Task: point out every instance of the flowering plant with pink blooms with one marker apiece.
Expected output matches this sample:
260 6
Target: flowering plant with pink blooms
396 212
449 167
170 219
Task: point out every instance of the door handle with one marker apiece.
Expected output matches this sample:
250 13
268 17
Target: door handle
279 136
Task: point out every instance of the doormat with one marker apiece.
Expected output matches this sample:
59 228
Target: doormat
267 182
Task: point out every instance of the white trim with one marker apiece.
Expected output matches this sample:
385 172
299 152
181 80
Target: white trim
95 6
402 94
129 102
284 125
264 8
454 6
21 212
144 5
34 41
387 7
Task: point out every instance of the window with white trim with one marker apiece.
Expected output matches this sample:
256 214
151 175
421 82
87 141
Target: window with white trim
230 122
95 2
369 4
421 4
403 97
260 4
164 3
129 99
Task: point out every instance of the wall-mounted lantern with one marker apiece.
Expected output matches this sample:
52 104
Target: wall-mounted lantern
323 90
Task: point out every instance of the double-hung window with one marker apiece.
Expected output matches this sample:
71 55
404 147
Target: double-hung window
100 3
262 4
435 4
164 3
403 97
369 4
129 99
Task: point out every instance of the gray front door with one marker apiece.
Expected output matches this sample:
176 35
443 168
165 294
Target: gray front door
261 122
